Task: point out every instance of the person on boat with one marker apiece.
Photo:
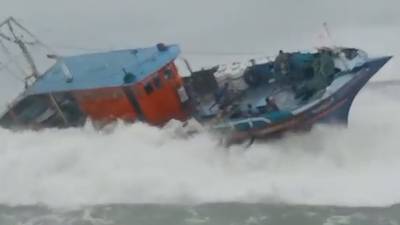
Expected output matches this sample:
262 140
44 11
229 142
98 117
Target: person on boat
281 64
235 112
327 66
270 105
324 69
221 96
323 72
251 111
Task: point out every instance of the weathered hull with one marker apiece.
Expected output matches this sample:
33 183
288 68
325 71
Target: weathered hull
333 110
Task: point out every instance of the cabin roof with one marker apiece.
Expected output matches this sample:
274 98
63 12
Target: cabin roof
99 70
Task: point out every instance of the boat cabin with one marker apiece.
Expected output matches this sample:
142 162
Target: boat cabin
129 85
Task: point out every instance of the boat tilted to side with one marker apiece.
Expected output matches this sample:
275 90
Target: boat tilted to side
241 101
263 102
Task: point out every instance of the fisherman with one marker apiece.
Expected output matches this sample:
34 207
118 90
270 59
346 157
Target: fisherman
221 96
323 71
327 67
324 68
235 112
281 64
250 111
270 105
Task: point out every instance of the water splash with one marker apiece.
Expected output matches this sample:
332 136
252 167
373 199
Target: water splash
142 164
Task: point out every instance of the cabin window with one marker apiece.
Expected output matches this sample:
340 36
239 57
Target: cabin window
148 88
168 74
157 82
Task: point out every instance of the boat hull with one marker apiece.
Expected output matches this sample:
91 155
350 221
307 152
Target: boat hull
333 110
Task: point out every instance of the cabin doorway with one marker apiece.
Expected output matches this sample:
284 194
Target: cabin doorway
69 111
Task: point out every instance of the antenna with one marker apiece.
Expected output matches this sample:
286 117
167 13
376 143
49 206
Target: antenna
328 33
324 37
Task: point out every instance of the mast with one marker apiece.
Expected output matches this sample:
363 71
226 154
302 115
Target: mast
17 36
13 32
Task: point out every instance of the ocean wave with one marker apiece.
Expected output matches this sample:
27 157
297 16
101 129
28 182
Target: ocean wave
141 164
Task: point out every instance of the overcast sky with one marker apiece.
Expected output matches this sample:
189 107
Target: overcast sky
208 26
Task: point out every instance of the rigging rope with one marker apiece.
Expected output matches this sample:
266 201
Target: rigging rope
36 40
11 73
15 34
11 57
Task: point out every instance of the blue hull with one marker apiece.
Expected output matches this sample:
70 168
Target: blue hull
350 91
334 110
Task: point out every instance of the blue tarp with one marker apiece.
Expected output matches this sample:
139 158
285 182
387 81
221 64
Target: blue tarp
102 69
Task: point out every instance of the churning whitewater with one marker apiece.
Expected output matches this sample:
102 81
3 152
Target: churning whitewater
354 166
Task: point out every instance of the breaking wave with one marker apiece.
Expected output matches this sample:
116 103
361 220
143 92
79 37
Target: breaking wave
142 164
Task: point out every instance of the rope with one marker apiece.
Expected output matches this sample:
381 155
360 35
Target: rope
12 58
11 73
36 40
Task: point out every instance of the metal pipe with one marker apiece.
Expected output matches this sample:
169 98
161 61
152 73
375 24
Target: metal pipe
60 113
188 65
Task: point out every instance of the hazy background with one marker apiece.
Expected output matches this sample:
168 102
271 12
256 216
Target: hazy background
355 166
206 29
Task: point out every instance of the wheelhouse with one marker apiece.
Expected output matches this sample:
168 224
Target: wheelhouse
129 85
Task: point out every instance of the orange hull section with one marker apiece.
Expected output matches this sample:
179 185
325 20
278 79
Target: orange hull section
156 97
106 104
163 104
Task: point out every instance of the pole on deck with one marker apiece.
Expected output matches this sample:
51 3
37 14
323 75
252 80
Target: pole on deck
188 65
60 113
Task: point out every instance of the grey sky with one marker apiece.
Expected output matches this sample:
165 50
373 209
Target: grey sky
208 25
205 25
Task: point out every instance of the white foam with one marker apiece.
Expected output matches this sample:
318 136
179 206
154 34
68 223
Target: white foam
355 166
136 164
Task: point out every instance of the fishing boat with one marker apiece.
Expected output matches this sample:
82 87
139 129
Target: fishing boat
298 102
242 101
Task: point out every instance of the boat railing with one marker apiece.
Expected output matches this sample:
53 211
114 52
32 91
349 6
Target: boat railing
245 124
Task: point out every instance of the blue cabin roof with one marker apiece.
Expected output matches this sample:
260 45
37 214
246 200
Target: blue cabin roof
99 70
